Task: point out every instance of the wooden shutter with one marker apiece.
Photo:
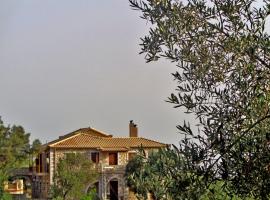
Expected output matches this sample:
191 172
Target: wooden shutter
113 158
95 157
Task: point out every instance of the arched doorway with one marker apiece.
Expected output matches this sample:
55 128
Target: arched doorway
93 190
113 189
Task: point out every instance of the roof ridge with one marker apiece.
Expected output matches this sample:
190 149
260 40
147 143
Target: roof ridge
101 132
75 133
117 137
153 140
67 138
62 137
93 136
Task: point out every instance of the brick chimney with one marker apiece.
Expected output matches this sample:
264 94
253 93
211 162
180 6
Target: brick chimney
133 129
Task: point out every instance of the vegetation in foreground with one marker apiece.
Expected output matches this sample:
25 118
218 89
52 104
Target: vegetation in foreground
222 52
73 173
164 175
15 151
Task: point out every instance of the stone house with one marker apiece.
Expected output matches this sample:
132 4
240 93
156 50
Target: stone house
110 154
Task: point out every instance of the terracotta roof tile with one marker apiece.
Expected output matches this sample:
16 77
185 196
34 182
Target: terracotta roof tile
89 130
82 140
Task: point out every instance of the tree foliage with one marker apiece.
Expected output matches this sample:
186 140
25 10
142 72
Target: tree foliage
221 49
14 148
164 175
35 147
73 173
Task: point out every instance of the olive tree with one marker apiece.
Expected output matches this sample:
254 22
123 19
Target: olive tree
222 51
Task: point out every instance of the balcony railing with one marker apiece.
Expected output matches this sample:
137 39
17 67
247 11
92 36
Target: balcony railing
35 171
103 168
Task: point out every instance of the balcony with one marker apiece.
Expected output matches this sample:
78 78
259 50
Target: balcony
36 171
103 168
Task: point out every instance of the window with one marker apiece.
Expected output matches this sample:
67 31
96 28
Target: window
95 157
113 159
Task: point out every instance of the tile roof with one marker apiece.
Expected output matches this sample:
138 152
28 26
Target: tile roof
89 130
83 140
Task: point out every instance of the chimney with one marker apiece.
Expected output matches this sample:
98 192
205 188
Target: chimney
133 129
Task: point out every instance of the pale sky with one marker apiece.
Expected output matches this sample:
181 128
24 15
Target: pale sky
68 64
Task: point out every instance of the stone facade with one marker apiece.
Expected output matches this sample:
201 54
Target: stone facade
43 181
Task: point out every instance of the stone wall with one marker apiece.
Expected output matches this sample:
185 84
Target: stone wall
122 158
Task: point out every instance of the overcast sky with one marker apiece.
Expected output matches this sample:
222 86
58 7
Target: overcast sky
69 64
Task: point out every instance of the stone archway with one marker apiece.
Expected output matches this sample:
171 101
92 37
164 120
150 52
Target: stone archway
113 189
93 188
